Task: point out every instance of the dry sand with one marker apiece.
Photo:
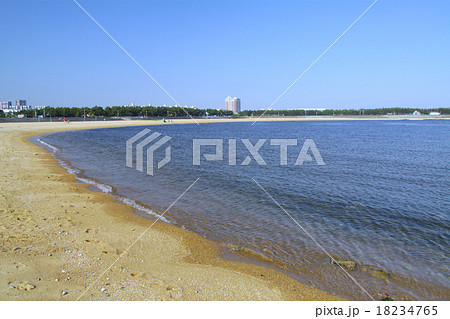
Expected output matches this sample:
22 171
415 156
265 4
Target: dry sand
58 237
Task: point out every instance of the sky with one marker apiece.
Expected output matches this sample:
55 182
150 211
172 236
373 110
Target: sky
396 55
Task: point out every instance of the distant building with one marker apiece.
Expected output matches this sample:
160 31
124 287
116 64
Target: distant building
435 113
6 105
416 113
228 103
233 104
21 103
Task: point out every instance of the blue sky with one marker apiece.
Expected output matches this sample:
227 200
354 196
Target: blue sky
398 54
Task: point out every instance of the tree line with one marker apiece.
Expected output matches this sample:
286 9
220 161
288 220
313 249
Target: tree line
331 112
175 111
124 111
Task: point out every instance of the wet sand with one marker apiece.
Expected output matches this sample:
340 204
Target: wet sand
58 237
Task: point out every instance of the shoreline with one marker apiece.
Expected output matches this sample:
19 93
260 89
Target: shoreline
55 244
125 121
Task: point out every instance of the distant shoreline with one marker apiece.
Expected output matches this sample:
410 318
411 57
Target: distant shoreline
231 119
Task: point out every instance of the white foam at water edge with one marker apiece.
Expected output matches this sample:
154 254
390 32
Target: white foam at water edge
70 169
53 148
102 187
141 208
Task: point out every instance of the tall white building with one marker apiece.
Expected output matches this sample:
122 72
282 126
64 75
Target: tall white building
233 104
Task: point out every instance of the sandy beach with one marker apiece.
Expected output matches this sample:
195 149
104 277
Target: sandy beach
58 237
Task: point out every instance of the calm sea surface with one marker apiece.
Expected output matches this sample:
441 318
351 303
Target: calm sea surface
382 199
